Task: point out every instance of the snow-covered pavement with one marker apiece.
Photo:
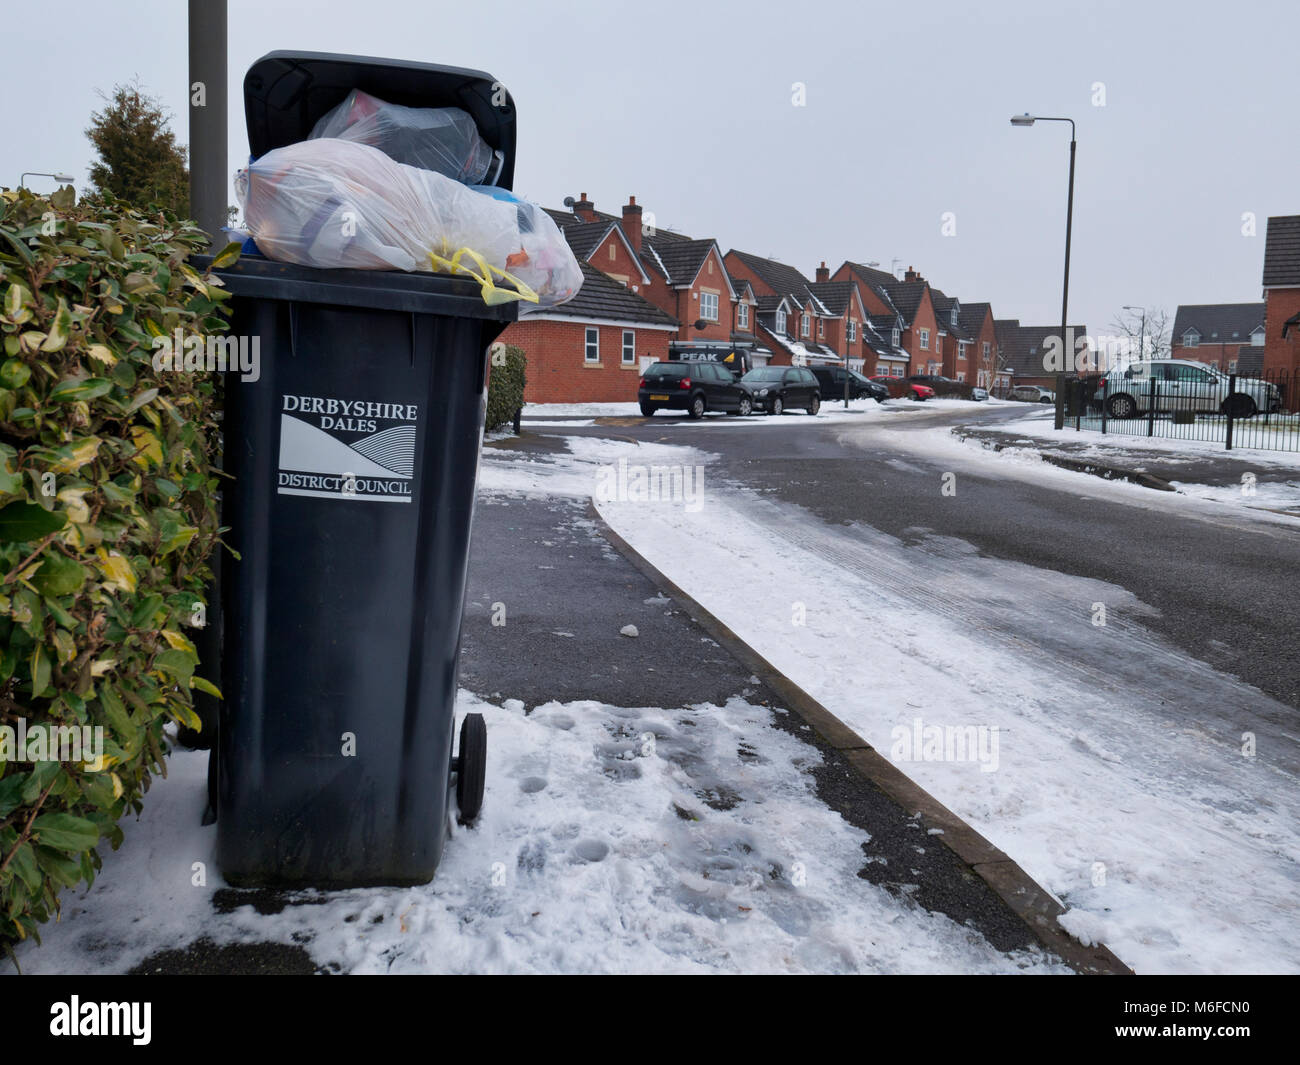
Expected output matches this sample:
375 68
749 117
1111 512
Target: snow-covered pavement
1167 842
612 840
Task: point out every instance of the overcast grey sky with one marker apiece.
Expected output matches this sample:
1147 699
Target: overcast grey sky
688 106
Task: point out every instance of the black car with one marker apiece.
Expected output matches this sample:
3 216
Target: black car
693 387
831 381
776 387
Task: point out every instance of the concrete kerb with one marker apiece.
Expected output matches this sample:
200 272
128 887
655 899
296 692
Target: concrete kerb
1033 904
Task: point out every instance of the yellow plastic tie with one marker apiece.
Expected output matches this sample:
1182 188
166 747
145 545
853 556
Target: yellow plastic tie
492 294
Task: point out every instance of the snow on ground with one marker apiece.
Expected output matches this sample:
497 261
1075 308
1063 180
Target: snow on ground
1166 448
583 410
1261 498
612 840
1183 855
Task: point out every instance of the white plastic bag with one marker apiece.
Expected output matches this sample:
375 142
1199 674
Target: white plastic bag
445 139
335 203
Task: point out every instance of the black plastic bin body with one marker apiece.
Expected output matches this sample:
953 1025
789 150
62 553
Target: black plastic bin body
342 614
354 457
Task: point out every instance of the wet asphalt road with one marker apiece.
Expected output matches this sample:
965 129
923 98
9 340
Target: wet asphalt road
1226 589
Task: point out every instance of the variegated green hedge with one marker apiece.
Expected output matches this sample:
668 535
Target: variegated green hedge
107 519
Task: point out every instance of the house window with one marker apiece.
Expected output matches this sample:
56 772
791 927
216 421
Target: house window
961 350
932 367
742 316
961 375
709 306
780 320
629 346
986 351
925 340
895 338
952 317
593 344
1232 366
805 325
821 328
1191 339
853 330
1257 338
898 371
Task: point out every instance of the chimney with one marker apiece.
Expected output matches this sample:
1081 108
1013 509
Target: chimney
632 223
584 208
912 275
822 273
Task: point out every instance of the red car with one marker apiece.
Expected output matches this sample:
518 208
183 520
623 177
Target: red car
899 388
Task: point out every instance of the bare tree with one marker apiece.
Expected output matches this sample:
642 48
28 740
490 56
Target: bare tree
986 368
1147 332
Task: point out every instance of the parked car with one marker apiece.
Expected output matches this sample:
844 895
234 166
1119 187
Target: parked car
979 395
831 379
693 387
1183 385
901 388
776 387
1032 394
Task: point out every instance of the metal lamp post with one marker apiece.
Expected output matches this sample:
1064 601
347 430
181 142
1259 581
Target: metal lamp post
1028 120
1142 342
62 179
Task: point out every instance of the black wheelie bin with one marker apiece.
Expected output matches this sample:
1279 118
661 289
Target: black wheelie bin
354 455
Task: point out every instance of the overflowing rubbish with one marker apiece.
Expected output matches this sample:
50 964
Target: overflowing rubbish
329 202
444 139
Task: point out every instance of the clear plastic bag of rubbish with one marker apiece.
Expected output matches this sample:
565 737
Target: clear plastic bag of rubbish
445 139
335 203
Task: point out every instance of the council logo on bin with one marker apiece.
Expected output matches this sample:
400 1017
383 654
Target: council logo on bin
357 450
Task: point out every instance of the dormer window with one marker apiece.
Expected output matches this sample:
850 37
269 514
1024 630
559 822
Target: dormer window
1257 337
952 316
1191 338
780 320
894 337
805 325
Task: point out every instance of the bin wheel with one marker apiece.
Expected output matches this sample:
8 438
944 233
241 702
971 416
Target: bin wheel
471 767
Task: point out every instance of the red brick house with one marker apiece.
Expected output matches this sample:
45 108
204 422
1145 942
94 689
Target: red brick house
909 300
1282 298
986 370
647 294
794 324
1214 333
1024 350
592 348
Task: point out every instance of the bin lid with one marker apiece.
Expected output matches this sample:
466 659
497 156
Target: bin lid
286 93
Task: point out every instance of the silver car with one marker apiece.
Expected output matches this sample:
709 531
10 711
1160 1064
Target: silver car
1183 385
1032 394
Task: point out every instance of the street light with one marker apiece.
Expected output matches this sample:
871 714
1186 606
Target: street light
63 179
1142 343
1028 120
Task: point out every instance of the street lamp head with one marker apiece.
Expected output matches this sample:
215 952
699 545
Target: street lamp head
65 178
1022 120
